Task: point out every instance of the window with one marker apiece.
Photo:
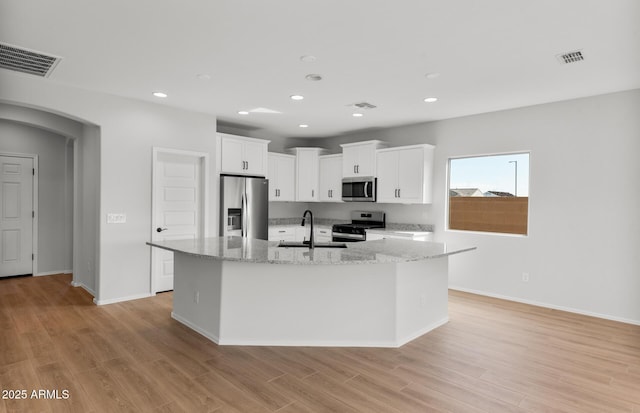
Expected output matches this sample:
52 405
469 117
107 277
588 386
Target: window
489 193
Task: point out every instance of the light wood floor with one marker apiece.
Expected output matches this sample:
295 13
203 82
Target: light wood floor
493 356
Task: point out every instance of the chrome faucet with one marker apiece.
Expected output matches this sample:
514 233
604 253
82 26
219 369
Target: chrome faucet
312 242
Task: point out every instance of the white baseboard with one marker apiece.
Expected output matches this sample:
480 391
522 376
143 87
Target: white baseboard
84 287
198 330
422 332
305 343
120 299
40 274
547 305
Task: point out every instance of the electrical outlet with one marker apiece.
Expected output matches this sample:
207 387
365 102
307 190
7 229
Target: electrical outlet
116 218
196 297
525 277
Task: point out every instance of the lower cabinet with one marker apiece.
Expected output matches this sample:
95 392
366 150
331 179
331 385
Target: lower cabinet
323 234
287 234
296 233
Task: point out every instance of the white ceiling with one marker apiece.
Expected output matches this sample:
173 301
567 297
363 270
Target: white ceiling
491 55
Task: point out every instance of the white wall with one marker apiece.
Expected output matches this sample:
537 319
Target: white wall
55 191
584 227
87 216
128 130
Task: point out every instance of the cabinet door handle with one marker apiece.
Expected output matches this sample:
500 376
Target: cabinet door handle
313 193
398 192
354 169
395 193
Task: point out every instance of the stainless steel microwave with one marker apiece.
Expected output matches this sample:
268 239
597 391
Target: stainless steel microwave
359 189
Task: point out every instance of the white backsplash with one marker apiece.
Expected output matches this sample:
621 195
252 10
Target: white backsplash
396 213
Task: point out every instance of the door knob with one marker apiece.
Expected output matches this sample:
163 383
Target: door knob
161 229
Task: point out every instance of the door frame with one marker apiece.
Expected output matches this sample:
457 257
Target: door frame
34 200
204 184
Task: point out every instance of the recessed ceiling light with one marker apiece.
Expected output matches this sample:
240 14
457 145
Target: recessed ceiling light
203 76
308 58
303 125
432 75
313 77
430 100
243 112
357 115
296 97
160 94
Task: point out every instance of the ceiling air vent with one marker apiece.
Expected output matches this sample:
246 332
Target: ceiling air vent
570 57
364 105
27 61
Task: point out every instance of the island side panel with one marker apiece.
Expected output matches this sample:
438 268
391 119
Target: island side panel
308 305
422 297
196 294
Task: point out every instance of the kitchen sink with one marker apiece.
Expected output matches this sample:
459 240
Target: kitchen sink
284 244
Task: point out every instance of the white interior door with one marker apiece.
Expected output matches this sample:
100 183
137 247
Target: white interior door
16 216
178 208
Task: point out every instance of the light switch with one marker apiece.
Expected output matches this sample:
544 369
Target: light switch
116 218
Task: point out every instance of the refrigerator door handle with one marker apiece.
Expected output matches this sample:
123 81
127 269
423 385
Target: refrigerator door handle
247 223
243 226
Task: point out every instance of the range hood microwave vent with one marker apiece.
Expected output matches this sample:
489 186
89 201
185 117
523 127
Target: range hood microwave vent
27 61
570 57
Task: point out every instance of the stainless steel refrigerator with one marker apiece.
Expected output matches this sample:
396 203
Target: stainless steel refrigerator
244 206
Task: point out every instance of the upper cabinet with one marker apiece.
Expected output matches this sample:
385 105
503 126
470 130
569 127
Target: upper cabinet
359 158
405 174
307 173
243 156
282 169
331 178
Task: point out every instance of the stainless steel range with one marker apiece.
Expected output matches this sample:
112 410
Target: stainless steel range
357 229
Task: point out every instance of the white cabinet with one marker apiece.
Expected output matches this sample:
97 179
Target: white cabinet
404 174
243 156
359 158
282 169
323 234
331 178
307 174
284 233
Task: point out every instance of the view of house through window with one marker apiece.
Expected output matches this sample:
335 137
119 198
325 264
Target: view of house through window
489 193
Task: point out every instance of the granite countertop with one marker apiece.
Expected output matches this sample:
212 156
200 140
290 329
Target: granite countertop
261 251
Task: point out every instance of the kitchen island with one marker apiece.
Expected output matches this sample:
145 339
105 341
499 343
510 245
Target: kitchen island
238 291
